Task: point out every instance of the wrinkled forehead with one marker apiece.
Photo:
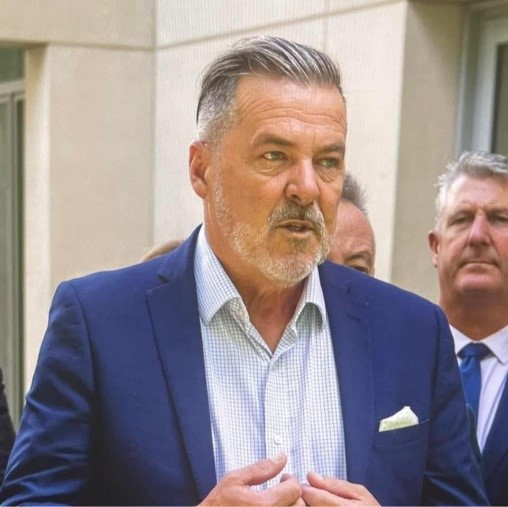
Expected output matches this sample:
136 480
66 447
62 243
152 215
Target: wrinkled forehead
284 92
477 191
352 223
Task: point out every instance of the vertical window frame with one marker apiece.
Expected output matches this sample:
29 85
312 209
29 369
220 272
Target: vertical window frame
12 94
486 29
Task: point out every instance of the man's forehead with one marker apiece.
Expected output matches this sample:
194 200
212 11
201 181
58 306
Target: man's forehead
471 191
283 89
350 215
278 110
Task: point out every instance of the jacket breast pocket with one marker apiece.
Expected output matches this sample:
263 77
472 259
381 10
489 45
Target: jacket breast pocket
402 436
399 458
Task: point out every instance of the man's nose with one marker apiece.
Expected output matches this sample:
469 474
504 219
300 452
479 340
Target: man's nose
480 230
302 186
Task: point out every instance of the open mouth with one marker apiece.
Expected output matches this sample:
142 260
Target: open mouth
297 226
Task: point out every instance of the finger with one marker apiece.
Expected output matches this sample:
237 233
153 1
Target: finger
260 471
300 502
317 496
343 489
284 493
336 486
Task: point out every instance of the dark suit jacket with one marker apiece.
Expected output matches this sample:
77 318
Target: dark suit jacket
495 455
118 408
7 434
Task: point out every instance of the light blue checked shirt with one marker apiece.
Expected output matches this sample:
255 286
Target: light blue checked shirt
262 404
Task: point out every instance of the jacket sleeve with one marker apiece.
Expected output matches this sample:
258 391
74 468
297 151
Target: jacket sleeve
452 474
52 458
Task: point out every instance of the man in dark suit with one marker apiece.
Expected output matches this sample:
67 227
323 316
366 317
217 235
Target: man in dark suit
234 370
7 434
469 246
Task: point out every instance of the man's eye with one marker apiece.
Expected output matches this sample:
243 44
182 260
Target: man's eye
460 219
357 267
329 163
501 219
274 156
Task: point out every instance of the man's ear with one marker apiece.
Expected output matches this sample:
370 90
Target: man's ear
200 159
433 239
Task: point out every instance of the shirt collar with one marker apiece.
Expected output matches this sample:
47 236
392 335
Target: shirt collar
215 288
312 295
496 342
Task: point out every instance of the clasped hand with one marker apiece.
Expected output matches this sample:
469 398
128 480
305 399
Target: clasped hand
235 488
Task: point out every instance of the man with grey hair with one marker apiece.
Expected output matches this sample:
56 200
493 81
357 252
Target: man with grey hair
469 247
353 243
241 369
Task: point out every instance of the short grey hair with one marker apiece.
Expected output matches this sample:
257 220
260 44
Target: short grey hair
261 56
354 192
476 164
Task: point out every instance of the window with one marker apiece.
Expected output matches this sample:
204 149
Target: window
484 114
11 163
500 130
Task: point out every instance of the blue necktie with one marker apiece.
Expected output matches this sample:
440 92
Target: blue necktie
471 373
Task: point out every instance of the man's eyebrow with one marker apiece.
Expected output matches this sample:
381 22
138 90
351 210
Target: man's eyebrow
497 209
271 139
468 207
336 147
280 141
362 254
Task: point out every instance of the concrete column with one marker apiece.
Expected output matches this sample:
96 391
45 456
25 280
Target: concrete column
88 169
428 132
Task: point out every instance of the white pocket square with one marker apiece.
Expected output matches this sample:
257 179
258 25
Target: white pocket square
402 419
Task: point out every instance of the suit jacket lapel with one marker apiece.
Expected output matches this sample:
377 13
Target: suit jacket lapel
174 310
496 445
353 358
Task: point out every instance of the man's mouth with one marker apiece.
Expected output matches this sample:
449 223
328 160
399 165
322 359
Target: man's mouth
487 262
297 226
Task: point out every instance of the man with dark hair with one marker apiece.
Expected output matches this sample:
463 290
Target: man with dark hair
234 370
353 243
469 245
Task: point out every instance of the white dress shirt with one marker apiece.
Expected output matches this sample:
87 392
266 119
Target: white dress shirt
494 368
263 403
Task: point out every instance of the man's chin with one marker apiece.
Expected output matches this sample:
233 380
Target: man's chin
302 250
480 284
289 270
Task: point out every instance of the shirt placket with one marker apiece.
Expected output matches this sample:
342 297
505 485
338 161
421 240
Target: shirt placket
277 417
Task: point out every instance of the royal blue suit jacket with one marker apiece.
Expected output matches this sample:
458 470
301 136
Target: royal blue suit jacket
118 408
495 455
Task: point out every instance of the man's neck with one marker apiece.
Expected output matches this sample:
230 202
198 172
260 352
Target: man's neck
476 317
270 308
270 304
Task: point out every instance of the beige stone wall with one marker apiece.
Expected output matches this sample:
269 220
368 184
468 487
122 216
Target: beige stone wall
120 23
428 115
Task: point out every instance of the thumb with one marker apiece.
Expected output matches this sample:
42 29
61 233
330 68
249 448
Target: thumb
262 470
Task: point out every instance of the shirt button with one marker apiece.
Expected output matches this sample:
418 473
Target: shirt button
277 439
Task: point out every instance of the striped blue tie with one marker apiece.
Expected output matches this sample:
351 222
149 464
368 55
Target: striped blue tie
471 373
